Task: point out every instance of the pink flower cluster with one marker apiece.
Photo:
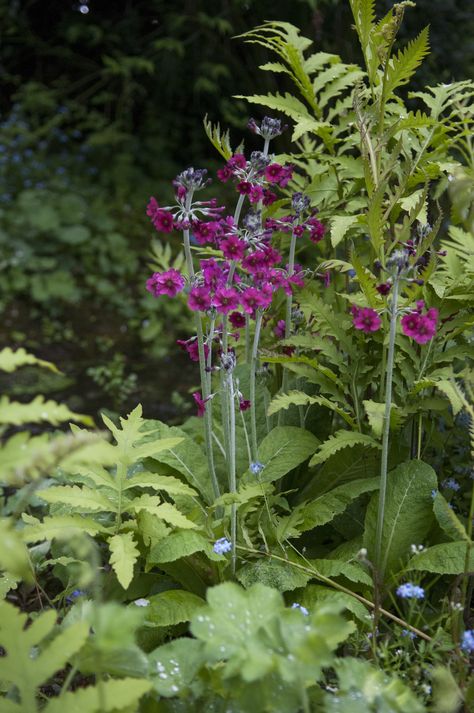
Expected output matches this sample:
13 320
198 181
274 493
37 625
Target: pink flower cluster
366 319
420 327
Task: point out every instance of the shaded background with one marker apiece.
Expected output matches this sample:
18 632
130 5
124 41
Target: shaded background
101 105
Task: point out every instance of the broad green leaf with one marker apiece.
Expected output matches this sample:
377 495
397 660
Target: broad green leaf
174 666
38 410
10 360
273 573
375 413
282 450
446 558
82 499
178 545
325 507
112 696
341 439
173 607
335 568
123 555
59 527
448 520
313 595
408 513
168 512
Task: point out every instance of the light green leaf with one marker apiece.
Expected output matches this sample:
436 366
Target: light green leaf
375 413
112 696
10 360
446 558
59 527
173 607
313 595
448 520
335 568
123 555
16 414
408 513
340 225
165 483
14 557
401 67
287 104
168 512
178 663
178 545
273 573
282 450
82 499
340 440
299 398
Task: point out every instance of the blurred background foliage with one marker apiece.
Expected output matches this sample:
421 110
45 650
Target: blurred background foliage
101 104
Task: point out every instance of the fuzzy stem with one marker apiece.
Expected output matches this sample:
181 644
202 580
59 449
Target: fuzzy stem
386 431
253 369
289 304
205 379
231 465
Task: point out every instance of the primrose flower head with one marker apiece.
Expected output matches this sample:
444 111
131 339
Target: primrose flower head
300 203
192 179
165 283
410 591
420 327
467 642
269 127
302 609
222 546
366 319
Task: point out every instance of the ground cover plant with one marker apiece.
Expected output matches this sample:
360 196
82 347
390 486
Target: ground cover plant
304 541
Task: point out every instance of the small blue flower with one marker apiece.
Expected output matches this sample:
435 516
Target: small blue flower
75 595
451 484
302 609
467 642
351 273
256 467
222 546
434 493
410 591
410 634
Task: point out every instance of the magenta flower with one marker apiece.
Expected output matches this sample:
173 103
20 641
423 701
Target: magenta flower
199 299
244 187
223 174
244 404
418 326
225 299
192 348
238 160
384 288
251 299
200 403
205 232
237 320
256 194
232 247
161 218
214 273
316 230
165 283
365 319
279 330
274 173
268 197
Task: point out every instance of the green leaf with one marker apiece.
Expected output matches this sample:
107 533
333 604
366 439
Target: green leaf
364 18
375 413
287 104
325 507
408 513
313 595
111 696
123 555
176 665
178 545
14 557
164 483
21 665
273 573
335 568
367 281
299 398
82 499
10 360
340 225
448 520
282 450
59 527
173 607
446 558
340 440
403 66
168 512
15 414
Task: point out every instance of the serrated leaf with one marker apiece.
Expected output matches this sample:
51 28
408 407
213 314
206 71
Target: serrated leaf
446 558
168 512
164 483
38 410
272 573
287 104
408 513
375 413
282 450
82 499
299 398
313 595
14 557
173 607
403 66
336 568
178 545
10 360
340 225
340 440
325 507
366 279
60 526
110 697
448 520
123 555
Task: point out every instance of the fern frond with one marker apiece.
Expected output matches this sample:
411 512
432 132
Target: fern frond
220 141
340 440
404 65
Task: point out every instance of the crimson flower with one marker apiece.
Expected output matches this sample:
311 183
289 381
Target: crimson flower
199 299
225 299
165 283
418 326
200 403
365 319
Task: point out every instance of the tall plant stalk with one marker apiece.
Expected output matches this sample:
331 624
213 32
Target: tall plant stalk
393 310
253 369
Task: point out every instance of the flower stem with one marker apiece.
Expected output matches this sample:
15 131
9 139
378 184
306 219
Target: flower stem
289 304
231 458
386 431
253 369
